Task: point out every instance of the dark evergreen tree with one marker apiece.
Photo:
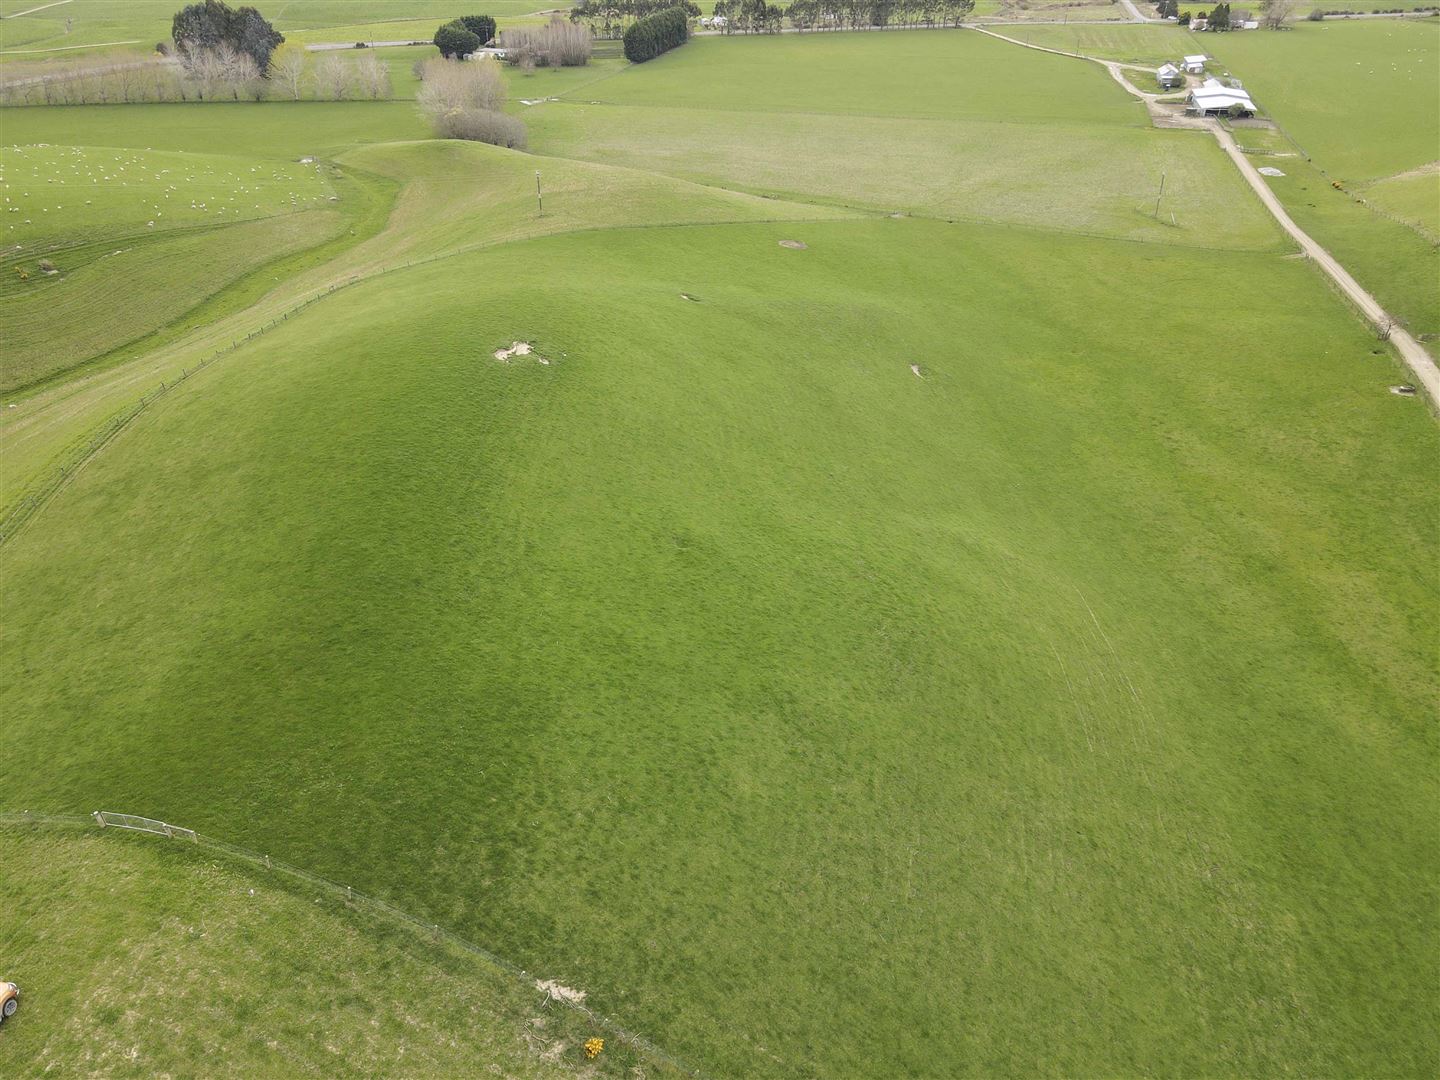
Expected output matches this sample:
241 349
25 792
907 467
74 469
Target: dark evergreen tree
454 41
213 23
482 26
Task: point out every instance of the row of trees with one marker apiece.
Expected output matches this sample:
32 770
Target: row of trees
214 74
1274 14
609 18
758 16
464 100
647 38
331 78
557 44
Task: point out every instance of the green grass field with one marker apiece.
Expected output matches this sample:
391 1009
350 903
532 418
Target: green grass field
968 76
138 958
1358 97
1151 45
1356 102
65 192
643 827
1065 151
909 624
97 22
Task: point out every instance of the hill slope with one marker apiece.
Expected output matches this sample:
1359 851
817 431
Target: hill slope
870 643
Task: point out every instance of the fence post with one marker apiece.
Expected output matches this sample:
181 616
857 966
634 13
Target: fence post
98 818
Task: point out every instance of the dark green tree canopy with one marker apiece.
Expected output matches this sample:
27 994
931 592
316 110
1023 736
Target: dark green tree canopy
453 40
482 26
654 34
213 23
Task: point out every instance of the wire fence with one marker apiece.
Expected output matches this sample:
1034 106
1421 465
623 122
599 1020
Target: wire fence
107 819
14 517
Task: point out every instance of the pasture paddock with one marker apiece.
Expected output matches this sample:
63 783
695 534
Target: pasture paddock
815 718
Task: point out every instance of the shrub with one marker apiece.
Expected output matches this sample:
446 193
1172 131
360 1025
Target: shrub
482 26
453 40
481 125
647 38
560 44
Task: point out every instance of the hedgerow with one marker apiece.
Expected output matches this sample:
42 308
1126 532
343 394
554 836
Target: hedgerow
647 38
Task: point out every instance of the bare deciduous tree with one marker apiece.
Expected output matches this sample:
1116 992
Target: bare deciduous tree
290 70
332 78
372 77
560 44
460 84
1274 14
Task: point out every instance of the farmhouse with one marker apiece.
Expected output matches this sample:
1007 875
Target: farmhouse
1194 65
1169 76
1213 96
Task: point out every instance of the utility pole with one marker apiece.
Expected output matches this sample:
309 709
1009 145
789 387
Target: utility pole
540 199
1160 195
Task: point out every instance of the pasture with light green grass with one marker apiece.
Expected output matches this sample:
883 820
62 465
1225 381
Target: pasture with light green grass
106 944
275 129
65 192
144 22
847 644
1357 103
967 76
1357 97
1151 45
108 244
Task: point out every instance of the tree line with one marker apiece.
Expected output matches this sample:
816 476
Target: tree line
213 74
610 18
760 17
647 38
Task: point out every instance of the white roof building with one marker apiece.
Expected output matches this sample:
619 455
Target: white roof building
1214 96
1194 64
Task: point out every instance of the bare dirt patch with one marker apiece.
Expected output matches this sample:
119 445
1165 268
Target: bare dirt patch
519 348
555 992
1430 168
687 296
794 245
915 369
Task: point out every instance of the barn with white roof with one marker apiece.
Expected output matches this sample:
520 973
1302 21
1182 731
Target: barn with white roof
1213 96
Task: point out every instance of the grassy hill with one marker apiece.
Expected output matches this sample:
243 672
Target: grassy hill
990 641
688 661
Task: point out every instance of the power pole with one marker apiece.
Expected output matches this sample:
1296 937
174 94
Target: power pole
1160 195
540 199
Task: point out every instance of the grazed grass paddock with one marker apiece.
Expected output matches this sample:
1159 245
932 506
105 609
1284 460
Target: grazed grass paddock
869 646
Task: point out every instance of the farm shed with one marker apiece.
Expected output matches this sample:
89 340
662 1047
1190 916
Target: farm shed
1169 76
1213 96
1195 65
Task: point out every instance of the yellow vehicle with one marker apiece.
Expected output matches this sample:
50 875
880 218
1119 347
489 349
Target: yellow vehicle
9 1000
